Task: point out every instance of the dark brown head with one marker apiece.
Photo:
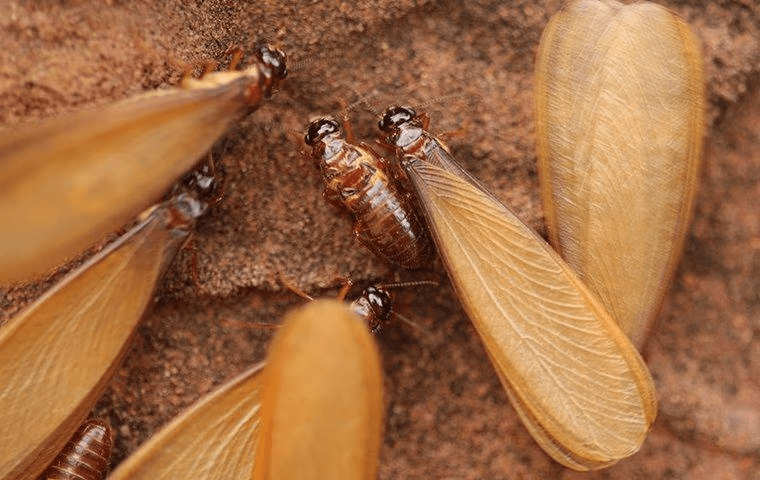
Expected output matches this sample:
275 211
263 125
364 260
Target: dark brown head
374 306
395 116
273 60
271 70
401 126
319 129
325 138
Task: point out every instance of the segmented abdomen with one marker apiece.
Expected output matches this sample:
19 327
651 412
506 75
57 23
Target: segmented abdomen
85 456
387 223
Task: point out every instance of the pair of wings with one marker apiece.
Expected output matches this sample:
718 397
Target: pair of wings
577 382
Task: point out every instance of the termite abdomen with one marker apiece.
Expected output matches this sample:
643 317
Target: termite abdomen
85 456
357 179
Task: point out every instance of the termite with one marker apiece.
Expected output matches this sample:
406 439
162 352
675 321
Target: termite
85 456
357 180
67 184
620 116
576 381
313 410
373 305
63 349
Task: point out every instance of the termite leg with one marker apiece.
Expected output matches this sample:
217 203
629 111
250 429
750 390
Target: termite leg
348 283
293 288
237 54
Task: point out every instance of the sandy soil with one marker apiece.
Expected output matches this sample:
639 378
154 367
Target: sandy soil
447 415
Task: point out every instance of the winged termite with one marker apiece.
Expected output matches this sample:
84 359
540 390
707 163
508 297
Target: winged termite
315 407
322 409
620 114
578 384
86 455
58 355
67 184
373 305
357 180
215 439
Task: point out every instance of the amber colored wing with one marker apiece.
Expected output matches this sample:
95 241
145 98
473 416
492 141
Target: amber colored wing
57 356
620 114
578 384
214 439
322 406
68 184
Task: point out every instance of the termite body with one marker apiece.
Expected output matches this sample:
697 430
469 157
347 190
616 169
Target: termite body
214 439
577 382
357 180
322 409
63 349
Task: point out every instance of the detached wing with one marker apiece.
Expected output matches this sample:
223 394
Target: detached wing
620 114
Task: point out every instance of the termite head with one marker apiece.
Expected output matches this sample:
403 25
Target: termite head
325 138
401 125
396 116
273 60
319 129
270 70
374 307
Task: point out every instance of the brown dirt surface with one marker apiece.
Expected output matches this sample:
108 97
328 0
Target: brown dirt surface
447 414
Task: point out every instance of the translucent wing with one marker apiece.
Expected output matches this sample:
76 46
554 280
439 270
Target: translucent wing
57 356
215 439
578 384
65 185
322 407
620 114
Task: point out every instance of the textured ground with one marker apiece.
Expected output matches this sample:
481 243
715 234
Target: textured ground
447 415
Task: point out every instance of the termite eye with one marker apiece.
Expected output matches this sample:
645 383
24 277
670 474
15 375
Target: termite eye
395 116
347 192
274 59
319 129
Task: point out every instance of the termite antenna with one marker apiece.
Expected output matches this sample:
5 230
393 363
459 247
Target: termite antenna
364 100
394 313
293 288
241 325
436 100
415 283
302 64
343 113
408 321
469 100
